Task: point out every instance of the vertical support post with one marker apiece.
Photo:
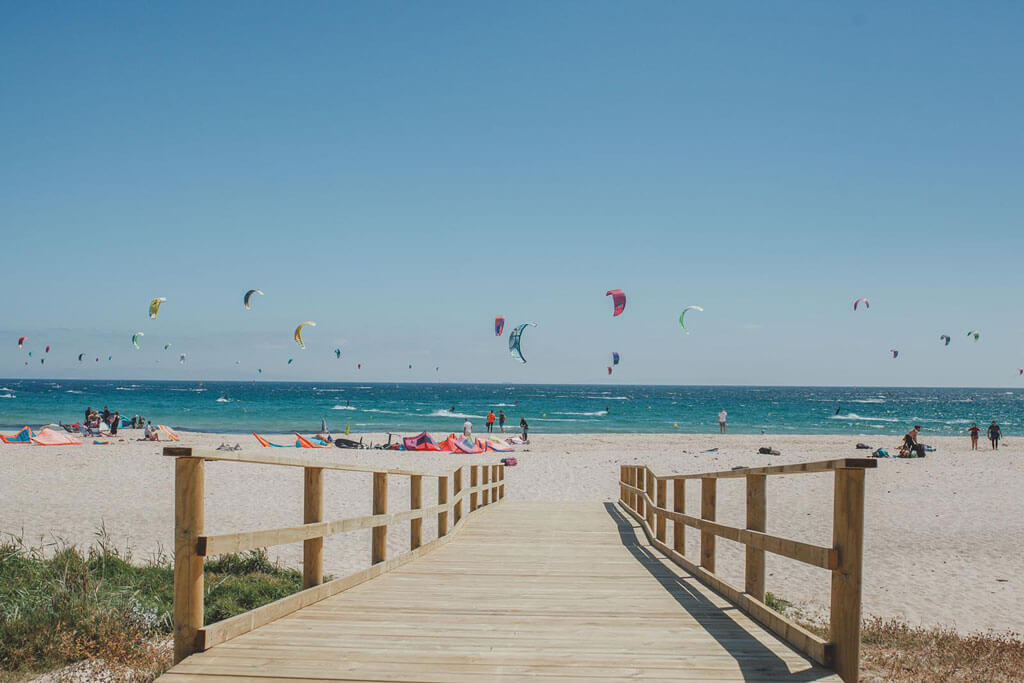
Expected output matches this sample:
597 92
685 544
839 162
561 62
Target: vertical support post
623 480
379 546
757 514
313 511
442 499
708 500
679 505
494 483
415 503
848 540
486 493
649 487
474 477
501 478
662 487
639 482
188 565
456 490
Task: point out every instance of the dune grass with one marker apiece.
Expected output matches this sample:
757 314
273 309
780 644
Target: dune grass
60 605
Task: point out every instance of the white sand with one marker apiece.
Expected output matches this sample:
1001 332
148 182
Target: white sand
944 534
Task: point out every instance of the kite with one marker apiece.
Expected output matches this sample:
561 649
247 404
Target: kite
111 357
247 299
499 325
618 300
181 359
410 366
135 339
514 340
21 341
166 346
29 354
337 353
259 370
359 366
298 333
895 353
975 334
42 360
945 338
47 350
682 315
290 361
609 369
154 306
1020 371
867 304
615 357
80 357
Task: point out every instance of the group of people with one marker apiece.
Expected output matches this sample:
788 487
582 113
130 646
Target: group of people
467 426
95 422
994 434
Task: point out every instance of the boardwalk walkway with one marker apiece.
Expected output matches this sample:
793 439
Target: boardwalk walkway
527 590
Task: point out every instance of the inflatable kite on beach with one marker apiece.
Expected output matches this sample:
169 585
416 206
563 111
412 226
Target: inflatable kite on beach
298 333
862 300
682 316
247 299
154 306
945 338
21 341
974 333
499 325
135 339
615 357
895 353
618 300
515 339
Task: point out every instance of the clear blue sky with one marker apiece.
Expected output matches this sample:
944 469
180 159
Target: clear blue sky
401 172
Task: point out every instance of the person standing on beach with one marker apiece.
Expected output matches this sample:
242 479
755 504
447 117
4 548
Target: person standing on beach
467 429
994 434
974 431
115 422
722 415
501 420
490 422
525 427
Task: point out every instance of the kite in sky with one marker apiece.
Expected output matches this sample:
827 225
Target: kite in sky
154 306
298 333
247 299
682 316
499 325
862 300
515 339
618 300
945 338
135 338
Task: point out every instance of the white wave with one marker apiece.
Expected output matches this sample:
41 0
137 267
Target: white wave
329 391
598 413
72 391
8 396
342 408
6 389
381 410
610 398
125 389
864 400
223 400
855 416
364 387
504 405
448 413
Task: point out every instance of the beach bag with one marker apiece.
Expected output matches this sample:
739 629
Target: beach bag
863 446
880 453
509 462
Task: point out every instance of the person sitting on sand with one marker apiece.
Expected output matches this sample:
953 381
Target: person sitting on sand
974 431
994 434
910 441
149 434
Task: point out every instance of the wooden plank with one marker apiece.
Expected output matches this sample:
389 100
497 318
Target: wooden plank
848 539
793 468
189 517
415 503
442 500
322 460
679 505
708 502
756 521
379 541
313 512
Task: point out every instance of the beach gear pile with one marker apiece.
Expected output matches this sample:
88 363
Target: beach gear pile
453 444
300 442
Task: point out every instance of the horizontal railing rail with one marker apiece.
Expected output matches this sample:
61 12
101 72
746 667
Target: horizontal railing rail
644 495
192 546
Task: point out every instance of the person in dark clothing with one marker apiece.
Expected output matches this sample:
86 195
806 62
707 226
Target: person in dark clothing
994 434
525 427
974 431
115 422
105 414
910 441
501 420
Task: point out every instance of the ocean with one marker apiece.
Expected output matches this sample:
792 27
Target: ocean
275 407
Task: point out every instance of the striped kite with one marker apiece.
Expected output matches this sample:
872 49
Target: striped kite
499 325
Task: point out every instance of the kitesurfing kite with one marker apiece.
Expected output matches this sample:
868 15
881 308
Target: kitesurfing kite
166 346
259 370
21 341
682 316
609 369
1020 371
135 338
975 334
359 366
337 353
290 361
615 357
154 306
499 325
247 299
867 304
29 354
515 339
618 300
111 357
298 333
80 357
895 353
42 360
47 350
181 359
945 338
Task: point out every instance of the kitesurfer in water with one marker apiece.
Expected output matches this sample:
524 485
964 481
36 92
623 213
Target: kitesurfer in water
722 415
501 421
838 408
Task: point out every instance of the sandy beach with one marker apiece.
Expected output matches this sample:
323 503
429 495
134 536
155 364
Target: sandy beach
944 534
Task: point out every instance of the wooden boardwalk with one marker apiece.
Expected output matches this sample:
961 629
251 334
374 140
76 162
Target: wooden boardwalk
526 590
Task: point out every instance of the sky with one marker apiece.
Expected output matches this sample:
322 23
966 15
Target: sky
401 173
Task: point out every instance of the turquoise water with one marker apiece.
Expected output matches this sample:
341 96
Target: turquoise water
408 408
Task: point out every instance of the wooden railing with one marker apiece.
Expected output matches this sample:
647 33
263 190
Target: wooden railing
644 495
191 545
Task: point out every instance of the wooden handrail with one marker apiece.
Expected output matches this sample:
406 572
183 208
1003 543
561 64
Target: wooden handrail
192 546
643 496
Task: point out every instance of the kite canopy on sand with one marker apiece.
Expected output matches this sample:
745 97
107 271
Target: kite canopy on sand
862 300
618 301
247 299
515 339
682 316
298 333
154 306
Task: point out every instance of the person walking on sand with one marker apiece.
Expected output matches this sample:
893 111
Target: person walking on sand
467 429
994 434
501 421
974 431
722 415
525 427
490 422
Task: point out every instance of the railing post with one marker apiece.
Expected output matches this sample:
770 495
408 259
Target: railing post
486 493
848 541
756 520
494 483
456 490
442 498
661 485
649 488
313 511
379 546
708 499
679 505
623 480
188 565
415 503
473 480
501 478
638 482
